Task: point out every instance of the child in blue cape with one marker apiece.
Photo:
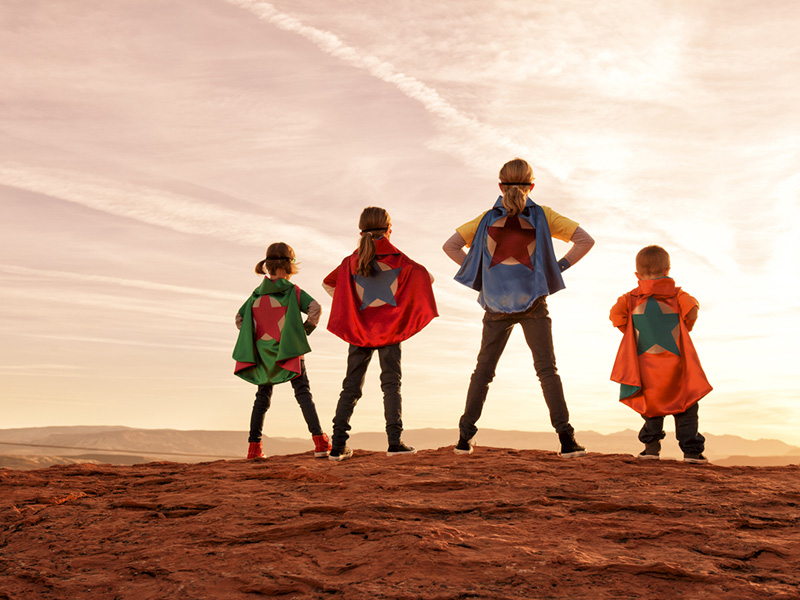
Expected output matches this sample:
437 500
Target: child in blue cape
272 341
511 263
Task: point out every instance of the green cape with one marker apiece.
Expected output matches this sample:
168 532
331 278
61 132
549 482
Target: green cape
269 360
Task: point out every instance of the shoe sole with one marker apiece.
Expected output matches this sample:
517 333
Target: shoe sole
694 461
648 457
321 454
464 452
401 453
572 454
340 458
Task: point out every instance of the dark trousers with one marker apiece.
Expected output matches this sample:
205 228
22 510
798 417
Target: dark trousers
537 328
686 423
358 360
302 393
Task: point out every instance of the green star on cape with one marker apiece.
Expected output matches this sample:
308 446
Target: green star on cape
654 329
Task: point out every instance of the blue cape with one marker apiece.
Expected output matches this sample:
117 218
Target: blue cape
511 288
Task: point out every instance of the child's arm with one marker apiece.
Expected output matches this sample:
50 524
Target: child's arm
329 283
314 313
689 308
312 308
454 248
582 242
619 314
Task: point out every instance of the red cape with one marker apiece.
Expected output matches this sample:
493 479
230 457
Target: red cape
664 379
400 302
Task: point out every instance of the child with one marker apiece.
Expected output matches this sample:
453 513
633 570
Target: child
272 341
380 298
656 364
512 263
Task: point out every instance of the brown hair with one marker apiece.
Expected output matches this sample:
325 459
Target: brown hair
279 256
373 223
652 261
516 176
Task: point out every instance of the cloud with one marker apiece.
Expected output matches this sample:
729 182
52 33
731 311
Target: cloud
158 207
118 281
484 135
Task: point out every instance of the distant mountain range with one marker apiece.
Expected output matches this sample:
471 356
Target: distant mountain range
37 447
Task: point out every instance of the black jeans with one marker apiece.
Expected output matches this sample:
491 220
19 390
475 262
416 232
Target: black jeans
686 423
302 393
537 327
358 360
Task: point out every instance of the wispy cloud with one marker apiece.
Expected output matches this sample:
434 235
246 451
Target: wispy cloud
117 281
484 135
157 207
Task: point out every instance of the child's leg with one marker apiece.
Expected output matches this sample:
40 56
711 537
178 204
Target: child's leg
302 393
389 357
538 330
496 332
689 439
652 430
357 362
260 408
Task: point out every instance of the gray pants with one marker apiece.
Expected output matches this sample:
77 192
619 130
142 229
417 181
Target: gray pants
302 393
689 439
537 328
358 360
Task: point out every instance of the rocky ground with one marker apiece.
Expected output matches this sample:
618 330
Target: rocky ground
499 524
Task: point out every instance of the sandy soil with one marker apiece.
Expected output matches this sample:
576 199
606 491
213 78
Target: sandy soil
499 524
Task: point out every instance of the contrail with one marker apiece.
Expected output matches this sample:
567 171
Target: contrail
415 89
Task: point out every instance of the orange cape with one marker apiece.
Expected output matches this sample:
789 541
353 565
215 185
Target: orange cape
656 364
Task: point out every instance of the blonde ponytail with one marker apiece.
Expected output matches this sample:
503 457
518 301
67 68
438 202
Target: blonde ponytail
516 176
373 223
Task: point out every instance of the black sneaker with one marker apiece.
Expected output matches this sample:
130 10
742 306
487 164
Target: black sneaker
465 446
651 451
401 448
697 459
340 454
569 447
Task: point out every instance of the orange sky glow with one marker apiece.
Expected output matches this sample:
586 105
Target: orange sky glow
150 151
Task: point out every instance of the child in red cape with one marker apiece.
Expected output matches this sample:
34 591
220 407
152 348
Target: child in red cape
657 366
272 341
380 298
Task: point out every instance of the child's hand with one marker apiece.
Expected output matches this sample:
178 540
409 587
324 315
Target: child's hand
309 327
239 321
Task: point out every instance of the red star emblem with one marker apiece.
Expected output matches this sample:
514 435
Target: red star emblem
269 316
511 241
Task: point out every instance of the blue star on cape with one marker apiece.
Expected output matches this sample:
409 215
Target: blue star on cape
654 329
377 287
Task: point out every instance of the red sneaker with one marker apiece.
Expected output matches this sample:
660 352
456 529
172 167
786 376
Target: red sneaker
322 445
256 450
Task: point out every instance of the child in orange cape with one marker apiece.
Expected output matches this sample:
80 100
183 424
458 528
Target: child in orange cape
272 341
657 366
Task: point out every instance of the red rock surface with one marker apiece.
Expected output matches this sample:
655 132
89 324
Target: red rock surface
499 524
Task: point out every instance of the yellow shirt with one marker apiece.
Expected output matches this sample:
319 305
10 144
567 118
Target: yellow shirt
561 227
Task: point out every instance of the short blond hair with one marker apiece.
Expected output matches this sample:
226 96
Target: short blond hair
652 261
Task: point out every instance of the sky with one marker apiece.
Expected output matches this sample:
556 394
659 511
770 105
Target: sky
151 151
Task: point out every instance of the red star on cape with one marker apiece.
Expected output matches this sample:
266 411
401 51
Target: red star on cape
511 241
269 316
